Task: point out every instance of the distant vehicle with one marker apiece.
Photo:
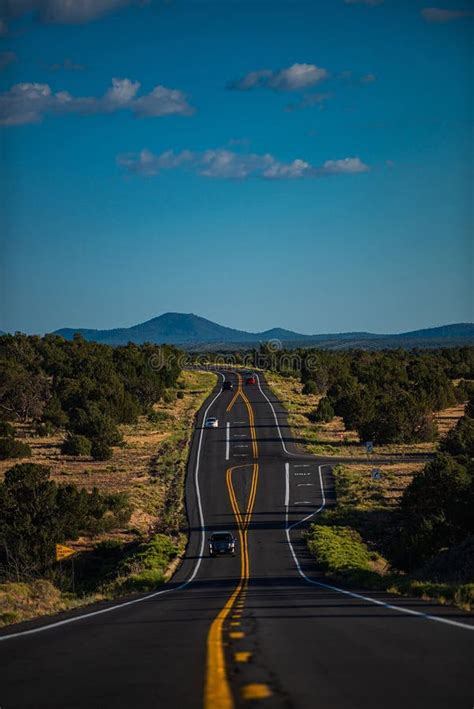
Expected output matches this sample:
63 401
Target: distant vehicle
221 543
227 386
211 423
251 379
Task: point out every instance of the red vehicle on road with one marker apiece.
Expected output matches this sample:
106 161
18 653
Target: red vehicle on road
251 379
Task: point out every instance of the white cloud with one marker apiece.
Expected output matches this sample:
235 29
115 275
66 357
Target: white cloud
440 16
227 164
65 12
162 102
345 166
293 78
30 102
7 58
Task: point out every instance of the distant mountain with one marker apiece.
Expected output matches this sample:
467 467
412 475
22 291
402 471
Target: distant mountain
450 331
191 331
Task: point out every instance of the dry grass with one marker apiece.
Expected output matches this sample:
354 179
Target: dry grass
131 467
332 438
356 486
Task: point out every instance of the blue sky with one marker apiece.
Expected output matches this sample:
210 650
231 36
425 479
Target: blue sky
298 164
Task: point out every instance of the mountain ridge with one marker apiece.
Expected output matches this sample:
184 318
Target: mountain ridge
187 329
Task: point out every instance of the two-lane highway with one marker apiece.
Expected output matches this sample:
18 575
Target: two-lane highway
261 628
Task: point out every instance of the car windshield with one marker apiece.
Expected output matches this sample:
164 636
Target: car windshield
221 537
211 420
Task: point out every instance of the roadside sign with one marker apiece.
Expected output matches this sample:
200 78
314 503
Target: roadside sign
62 552
369 446
376 474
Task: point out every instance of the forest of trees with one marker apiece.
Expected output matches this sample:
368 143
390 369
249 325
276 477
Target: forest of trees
82 387
386 396
83 390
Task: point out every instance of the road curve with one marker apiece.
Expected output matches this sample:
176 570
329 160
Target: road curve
263 628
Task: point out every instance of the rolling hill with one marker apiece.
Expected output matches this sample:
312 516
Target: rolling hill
194 332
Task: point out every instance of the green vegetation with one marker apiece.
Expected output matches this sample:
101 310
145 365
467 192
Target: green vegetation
36 514
83 387
144 569
11 448
324 411
341 551
21 601
421 543
75 444
387 397
116 553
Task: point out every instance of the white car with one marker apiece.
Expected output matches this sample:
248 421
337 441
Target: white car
211 423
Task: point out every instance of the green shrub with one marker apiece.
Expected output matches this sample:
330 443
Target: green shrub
54 414
75 444
11 448
460 439
145 568
338 549
463 391
101 450
323 413
95 424
168 397
7 430
158 416
310 387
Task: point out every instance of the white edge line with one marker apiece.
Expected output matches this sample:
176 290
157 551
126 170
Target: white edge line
352 594
276 419
227 440
83 616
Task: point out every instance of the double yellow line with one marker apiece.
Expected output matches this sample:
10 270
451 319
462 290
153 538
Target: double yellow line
240 392
217 693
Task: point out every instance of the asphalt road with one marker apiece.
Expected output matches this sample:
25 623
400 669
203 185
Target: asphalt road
262 628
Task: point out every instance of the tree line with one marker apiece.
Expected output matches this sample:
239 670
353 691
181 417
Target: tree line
386 396
83 387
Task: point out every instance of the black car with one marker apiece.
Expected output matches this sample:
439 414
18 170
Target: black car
221 543
227 386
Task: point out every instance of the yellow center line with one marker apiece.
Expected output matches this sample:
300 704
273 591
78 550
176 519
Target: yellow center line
236 395
217 693
240 392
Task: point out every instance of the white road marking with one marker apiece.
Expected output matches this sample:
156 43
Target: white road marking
352 594
240 455
240 435
303 502
305 485
155 593
275 417
301 466
241 445
227 440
